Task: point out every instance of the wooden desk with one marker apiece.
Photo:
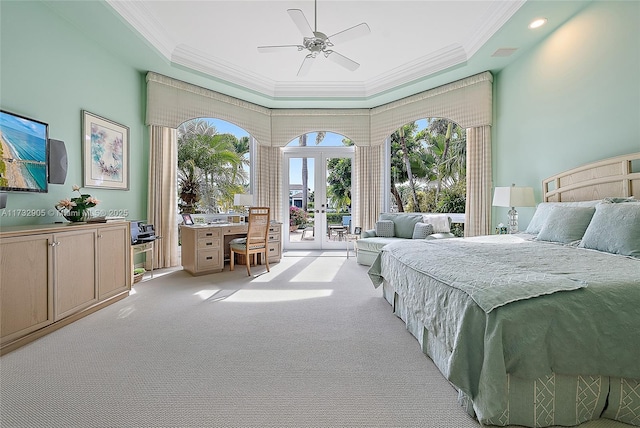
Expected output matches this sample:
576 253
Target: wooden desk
205 248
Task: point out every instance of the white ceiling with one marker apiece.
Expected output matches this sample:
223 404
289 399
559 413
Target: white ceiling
408 40
414 45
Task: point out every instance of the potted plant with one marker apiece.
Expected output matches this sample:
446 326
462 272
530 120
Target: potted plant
138 273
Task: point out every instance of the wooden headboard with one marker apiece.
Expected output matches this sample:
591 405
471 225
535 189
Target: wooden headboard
614 177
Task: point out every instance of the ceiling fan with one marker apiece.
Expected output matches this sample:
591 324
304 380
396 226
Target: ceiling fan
316 42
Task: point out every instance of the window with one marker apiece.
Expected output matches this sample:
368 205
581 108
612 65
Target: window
428 167
214 164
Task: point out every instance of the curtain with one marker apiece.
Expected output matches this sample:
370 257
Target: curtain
269 180
163 195
479 182
367 188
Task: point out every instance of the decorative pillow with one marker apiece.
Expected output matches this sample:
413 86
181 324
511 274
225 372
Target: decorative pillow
565 224
614 228
422 230
440 222
544 209
385 229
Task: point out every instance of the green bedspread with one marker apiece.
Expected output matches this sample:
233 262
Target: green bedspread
580 314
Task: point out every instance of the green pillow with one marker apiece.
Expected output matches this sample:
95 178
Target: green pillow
422 230
565 224
384 228
614 228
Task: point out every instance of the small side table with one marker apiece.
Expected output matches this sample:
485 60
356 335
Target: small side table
352 237
142 248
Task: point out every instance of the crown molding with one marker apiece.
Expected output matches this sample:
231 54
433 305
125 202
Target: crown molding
141 19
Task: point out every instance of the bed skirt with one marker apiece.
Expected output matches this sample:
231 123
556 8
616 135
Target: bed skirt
547 401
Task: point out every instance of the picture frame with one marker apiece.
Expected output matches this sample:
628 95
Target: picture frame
187 219
105 147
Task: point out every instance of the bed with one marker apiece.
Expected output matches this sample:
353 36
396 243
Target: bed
541 328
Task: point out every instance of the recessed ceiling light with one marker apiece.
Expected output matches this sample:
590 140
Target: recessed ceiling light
536 23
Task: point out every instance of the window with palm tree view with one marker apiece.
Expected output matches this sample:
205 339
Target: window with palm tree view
428 168
213 165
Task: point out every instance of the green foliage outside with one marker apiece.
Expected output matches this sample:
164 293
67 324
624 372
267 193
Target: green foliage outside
428 168
210 168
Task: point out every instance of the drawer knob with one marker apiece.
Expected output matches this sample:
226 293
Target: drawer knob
209 258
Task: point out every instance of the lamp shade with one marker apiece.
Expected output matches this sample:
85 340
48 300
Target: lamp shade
243 199
513 197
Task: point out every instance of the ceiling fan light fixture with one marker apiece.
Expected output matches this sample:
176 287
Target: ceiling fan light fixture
315 41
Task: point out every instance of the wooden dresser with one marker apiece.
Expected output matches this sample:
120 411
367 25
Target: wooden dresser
55 274
205 248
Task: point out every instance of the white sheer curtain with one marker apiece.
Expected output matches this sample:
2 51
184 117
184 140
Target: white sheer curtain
163 195
479 182
367 188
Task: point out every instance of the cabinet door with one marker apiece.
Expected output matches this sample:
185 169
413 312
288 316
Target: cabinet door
26 301
75 281
113 260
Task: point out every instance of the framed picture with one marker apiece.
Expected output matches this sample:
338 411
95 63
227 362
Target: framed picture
186 219
105 147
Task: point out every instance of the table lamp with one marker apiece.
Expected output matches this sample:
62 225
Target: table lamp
244 200
513 197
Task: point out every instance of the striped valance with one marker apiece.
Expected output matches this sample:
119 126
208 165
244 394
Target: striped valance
467 102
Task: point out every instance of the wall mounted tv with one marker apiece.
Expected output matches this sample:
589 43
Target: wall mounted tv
23 153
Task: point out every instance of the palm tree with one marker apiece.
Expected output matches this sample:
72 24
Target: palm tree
408 163
207 165
302 142
339 180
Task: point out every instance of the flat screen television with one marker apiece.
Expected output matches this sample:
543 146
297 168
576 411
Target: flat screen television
23 153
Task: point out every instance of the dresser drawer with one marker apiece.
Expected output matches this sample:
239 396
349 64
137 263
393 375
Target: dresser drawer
208 259
208 233
209 243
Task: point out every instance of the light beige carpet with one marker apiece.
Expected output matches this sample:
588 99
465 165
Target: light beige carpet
310 344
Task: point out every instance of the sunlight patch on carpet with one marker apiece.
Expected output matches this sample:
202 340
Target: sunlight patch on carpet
320 270
270 296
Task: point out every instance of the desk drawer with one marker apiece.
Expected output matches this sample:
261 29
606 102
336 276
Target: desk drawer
274 250
208 233
274 236
235 230
208 259
209 243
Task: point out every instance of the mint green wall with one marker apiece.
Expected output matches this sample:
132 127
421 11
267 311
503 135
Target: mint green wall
573 99
51 72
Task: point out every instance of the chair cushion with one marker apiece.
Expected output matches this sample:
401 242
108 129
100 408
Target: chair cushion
374 244
238 244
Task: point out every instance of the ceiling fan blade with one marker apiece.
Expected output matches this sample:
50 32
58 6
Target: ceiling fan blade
350 33
301 22
342 60
306 65
268 49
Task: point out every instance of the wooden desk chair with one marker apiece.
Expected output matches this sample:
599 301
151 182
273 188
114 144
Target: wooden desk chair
257 239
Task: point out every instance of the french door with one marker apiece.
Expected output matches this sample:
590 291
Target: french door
316 197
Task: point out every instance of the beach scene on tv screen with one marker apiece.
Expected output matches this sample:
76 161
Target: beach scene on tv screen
23 153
